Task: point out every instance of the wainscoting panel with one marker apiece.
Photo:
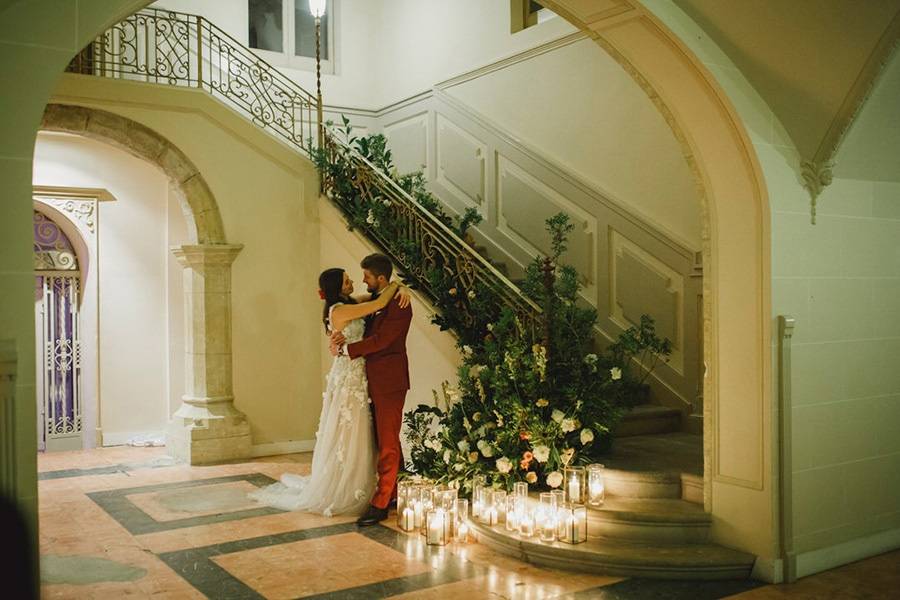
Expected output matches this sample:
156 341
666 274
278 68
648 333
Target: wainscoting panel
408 141
524 203
460 162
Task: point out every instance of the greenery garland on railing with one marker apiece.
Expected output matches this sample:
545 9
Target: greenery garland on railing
530 399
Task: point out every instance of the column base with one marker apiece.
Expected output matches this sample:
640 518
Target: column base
204 432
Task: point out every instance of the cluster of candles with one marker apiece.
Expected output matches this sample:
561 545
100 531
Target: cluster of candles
433 510
438 514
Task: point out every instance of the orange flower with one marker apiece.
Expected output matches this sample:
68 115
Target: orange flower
524 435
527 456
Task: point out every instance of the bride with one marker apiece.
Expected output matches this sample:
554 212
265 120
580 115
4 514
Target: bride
343 466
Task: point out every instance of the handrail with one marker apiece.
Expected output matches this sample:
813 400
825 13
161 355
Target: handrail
185 50
522 304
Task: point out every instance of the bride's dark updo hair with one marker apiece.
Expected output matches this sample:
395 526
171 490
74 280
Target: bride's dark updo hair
331 284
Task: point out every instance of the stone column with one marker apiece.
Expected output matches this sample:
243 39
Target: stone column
207 427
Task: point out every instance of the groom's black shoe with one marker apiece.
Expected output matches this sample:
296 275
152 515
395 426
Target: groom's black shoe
372 516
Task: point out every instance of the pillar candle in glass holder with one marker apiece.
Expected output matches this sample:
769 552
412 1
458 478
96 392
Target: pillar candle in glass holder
545 523
403 488
520 489
526 524
419 505
437 527
574 484
575 530
499 503
512 512
488 514
478 482
460 528
560 496
427 500
595 484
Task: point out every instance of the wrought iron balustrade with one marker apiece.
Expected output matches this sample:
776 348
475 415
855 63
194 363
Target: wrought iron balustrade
179 49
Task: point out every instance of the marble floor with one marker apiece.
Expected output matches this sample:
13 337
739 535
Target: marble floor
129 523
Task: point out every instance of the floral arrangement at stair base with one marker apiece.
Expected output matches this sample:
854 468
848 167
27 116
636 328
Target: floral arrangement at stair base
526 406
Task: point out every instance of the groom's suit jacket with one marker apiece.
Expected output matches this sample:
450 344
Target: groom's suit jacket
384 347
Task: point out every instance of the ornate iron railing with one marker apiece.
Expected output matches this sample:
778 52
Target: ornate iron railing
185 50
180 49
437 245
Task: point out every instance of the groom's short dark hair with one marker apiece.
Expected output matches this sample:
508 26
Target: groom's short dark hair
378 264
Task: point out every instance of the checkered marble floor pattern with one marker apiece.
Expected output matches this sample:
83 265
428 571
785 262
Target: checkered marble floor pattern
130 523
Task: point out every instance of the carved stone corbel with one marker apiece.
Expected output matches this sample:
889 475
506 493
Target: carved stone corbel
816 177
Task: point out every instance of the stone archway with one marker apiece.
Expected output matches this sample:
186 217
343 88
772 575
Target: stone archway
737 331
206 427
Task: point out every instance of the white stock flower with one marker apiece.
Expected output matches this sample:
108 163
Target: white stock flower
615 373
541 453
504 465
568 425
447 455
558 415
587 436
554 479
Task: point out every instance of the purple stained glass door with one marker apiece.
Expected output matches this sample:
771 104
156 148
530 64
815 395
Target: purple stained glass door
59 342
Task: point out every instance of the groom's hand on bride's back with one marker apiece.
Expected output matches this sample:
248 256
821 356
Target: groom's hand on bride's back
403 297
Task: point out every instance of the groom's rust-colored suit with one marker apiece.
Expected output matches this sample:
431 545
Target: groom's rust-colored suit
387 368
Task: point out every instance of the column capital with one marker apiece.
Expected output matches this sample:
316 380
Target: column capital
201 255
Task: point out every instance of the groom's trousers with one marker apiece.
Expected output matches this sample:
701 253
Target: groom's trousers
388 420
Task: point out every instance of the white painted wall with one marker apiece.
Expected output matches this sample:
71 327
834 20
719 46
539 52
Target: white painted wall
577 107
423 42
136 279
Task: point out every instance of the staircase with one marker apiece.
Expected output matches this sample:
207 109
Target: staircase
653 523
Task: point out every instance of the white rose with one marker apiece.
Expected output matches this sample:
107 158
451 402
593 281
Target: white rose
531 477
558 415
590 359
615 373
467 350
487 451
504 465
554 479
568 425
541 453
459 467
463 446
471 294
490 326
587 436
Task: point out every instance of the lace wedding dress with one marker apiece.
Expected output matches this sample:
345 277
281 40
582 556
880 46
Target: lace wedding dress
343 466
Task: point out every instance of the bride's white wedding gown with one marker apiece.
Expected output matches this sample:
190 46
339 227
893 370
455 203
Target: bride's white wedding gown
343 467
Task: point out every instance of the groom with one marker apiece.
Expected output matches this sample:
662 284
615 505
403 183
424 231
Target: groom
387 369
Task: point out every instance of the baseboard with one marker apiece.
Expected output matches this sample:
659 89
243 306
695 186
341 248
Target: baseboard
123 437
823 559
276 448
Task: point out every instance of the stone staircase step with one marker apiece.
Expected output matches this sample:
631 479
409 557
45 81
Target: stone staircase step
657 521
642 484
624 559
647 419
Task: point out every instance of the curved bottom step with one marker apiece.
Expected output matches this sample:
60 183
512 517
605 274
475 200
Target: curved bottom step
624 559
